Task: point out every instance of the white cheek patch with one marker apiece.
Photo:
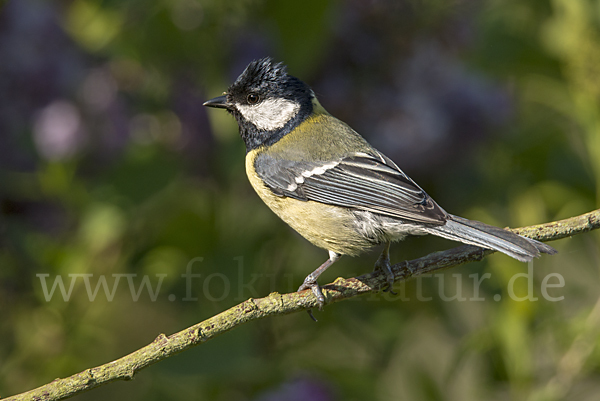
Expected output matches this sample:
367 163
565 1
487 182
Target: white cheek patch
269 114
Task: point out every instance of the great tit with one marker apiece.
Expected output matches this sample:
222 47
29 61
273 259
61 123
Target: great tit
324 180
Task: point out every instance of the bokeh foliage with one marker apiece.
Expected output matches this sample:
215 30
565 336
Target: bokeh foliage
111 166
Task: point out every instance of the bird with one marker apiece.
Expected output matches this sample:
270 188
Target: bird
330 185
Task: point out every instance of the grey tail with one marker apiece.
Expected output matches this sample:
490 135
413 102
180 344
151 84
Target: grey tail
483 235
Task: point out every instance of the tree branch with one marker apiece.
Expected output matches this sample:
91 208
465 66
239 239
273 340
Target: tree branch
280 304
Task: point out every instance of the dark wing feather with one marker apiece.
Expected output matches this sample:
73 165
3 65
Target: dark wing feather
361 181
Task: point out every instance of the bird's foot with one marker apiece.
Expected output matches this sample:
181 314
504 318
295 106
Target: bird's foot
311 283
384 265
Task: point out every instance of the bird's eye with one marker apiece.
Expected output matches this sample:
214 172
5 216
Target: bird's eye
253 98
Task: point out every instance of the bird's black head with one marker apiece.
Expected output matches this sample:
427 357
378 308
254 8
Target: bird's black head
266 102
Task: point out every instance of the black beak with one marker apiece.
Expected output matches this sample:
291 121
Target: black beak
218 102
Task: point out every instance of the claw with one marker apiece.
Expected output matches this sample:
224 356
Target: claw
316 290
383 264
386 268
310 282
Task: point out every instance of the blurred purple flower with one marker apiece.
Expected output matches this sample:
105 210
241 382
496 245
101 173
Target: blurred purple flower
58 132
300 389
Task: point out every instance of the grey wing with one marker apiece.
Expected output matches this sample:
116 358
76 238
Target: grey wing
368 182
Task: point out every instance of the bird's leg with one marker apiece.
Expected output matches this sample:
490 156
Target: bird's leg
383 264
311 280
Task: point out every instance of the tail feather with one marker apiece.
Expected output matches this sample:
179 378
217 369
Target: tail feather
483 235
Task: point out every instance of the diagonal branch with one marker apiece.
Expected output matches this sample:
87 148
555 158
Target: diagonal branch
280 304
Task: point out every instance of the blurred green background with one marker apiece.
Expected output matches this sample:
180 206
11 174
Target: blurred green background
110 167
